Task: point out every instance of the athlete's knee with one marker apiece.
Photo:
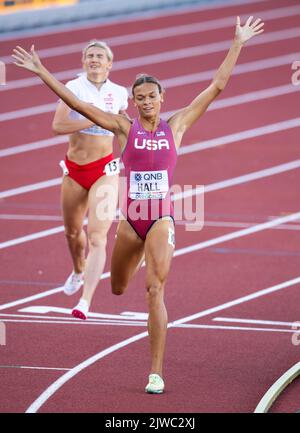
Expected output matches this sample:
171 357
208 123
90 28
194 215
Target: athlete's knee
72 233
156 276
154 289
117 287
97 239
118 290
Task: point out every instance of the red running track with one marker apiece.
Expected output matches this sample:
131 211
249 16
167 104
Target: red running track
230 340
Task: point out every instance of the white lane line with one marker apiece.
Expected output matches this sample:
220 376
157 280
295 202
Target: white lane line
271 128
222 103
277 388
282 168
185 80
125 315
166 32
179 252
243 68
32 187
45 321
238 301
162 57
31 111
37 235
278 169
239 180
76 322
36 405
196 147
230 224
237 234
51 390
34 297
136 17
258 95
254 321
93 317
27 238
22 318
35 145
18 318
22 217
34 368
234 328
245 225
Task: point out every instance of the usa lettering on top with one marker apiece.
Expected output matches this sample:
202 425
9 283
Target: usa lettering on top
150 144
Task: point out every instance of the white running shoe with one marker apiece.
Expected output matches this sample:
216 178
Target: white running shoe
155 385
73 283
81 310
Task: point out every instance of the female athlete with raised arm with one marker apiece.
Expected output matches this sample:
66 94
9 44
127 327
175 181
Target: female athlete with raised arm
85 180
148 146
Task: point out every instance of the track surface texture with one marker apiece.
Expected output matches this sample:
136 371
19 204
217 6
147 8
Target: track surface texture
233 290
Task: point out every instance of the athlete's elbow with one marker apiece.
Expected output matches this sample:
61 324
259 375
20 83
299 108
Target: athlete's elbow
57 128
219 85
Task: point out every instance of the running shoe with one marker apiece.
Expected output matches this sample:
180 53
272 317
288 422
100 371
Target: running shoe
81 310
155 385
73 283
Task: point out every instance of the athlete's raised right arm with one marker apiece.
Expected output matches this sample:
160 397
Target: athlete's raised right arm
30 61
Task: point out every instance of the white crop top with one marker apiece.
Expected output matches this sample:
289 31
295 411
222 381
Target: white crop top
110 98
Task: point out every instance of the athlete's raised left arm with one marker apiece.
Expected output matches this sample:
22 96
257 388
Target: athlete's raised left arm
185 118
116 123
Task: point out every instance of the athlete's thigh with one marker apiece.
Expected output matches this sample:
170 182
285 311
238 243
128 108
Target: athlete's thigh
159 249
127 254
102 203
74 202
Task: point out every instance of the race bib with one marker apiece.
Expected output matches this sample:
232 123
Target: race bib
64 167
146 185
112 167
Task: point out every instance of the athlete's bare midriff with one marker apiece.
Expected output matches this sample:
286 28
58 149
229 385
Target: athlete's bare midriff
84 148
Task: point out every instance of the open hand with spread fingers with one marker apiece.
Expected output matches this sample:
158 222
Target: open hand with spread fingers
250 29
29 61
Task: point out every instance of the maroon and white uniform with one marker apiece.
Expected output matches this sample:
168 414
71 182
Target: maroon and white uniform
149 160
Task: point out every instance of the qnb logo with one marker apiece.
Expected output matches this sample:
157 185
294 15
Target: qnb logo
2 334
296 335
151 144
296 75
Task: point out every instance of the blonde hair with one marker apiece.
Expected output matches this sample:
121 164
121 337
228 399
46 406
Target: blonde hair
98 44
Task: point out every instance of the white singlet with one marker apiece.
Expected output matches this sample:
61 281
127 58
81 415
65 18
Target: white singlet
110 98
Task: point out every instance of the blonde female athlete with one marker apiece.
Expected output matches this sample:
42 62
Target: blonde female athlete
149 154
85 180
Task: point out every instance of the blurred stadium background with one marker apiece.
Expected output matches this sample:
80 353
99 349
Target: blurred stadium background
30 15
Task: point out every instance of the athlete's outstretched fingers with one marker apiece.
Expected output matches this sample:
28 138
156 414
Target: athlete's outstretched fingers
259 26
248 22
256 22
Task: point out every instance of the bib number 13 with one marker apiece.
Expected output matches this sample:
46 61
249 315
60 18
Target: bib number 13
112 167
